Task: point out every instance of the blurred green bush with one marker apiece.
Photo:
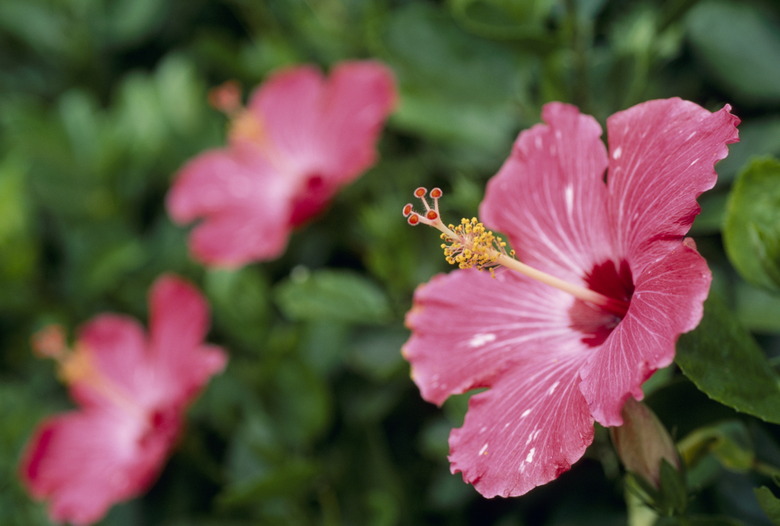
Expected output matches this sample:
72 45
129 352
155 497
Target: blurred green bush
315 420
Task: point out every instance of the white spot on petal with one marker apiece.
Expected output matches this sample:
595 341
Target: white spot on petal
694 162
552 388
483 451
568 194
483 429
525 413
617 153
530 457
480 339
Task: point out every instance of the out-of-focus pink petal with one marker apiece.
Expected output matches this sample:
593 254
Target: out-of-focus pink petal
86 461
667 302
178 317
116 348
243 202
133 394
549 196
662 154
467 328
531 426
287 107
358 99
327 127
216 179
178 322
237 237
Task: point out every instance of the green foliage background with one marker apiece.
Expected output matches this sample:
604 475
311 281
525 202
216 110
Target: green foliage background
315 421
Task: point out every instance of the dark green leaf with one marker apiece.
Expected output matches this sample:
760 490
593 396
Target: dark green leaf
752 227
729 441
505 18
739 43
240 300
769 503
444 93
724 361
332 295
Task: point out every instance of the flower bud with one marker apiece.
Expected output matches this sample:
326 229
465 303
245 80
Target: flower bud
642 442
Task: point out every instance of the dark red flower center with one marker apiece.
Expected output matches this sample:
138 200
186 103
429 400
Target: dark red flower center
162 427
312 196
594 322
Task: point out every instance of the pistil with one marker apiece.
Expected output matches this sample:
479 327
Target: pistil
471 245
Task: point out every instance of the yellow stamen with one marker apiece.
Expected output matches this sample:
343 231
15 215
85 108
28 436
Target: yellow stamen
247 126
77 366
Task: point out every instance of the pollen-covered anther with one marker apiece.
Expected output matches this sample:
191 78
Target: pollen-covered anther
471 245
468 245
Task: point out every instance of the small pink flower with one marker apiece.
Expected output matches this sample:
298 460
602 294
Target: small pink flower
301 138
553 361
132 392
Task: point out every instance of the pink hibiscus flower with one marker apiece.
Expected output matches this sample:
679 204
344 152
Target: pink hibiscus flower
301 138
132 392
625 284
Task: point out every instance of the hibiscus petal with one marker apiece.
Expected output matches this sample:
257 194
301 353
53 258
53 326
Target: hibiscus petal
667 302
358 98
549 197
467 327
328 127
178 321
84 462
287 106
244 203
216 179
530 427
116 346
238 237
662 154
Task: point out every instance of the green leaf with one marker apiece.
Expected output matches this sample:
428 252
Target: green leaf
240 301
769 503
444 94
724 362
505 18
332 295
757 309
728 441
739 43
698 520
752 228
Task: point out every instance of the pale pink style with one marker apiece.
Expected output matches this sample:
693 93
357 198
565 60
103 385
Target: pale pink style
132 391
301 138
555 364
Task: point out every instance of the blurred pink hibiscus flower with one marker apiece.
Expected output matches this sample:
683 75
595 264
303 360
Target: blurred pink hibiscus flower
553 361
132 392
300 139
